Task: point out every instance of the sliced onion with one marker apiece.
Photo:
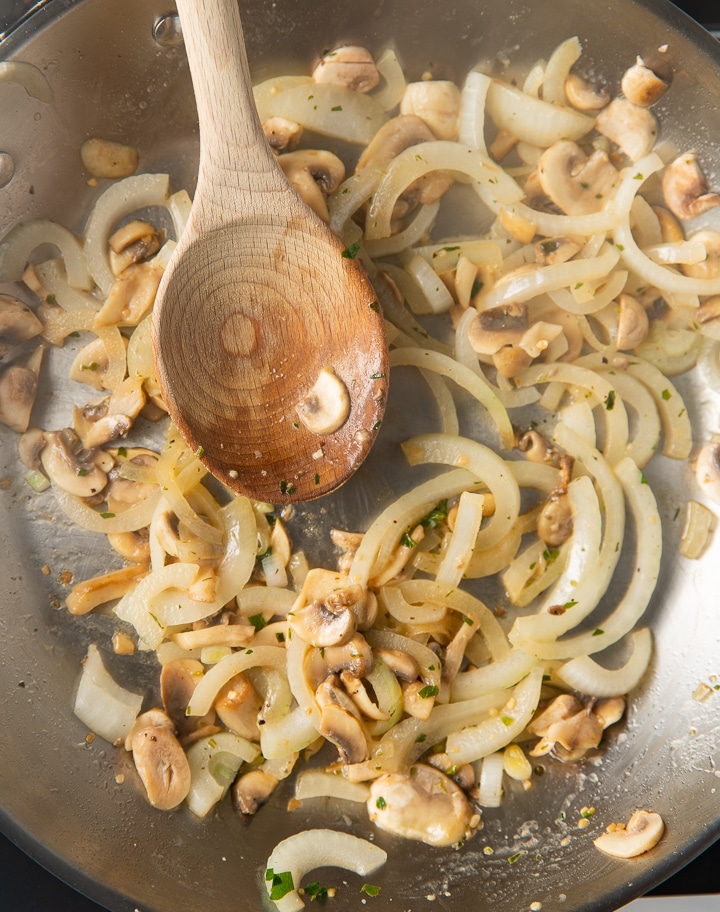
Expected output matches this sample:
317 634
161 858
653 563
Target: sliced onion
292 732
132 519
502 673
388 696
606 293
29 77
101 704
427 660
490 790
315 783
471 125
464 377
532 120
556 72
120 199
419 226
211 683
699 522
588 677
265 92
389 68
462 540
136 607
19 243
438 298
311 849
214 763
351 195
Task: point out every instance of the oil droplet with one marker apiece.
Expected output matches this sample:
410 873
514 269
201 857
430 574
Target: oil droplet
167 31
7 168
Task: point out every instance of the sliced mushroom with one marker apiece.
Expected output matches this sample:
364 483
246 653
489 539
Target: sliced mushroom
349 542
632 128
641 86
105 420
162 766
418 700
77 471
91 364
324 612
135 242
633 323
315 174
576 184
18 388
339 722
568 728
584 95
238 706
424 805
326 407
401 664
516 225
133 546
30 446
643 831
556 250
283 135
707 470
131 295
105 588
709 268
104 158
496 327
178 680
709 310
555 522
354 657
464 776
685 188
350 66
361 698
435 101
17 324
251 790
511 360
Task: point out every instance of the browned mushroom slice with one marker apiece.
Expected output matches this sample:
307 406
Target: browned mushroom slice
576 183
283 135
709 268
632 128
350 66
131 296
252 790
499 326
135 242
238 706
555 522
178 680
585 95
643 831
315 174
641 86
327 612
161 764
355 657
17 323
30 446
424 805
99 590
339 722
685 188
569 729
72 468
18 388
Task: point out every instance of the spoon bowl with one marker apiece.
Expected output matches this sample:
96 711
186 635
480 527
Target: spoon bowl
268 340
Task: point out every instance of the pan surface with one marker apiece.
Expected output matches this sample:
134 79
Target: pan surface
59 795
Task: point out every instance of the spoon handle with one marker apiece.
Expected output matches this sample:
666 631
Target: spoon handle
234 155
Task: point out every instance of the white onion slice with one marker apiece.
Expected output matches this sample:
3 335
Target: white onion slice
319 848
699 522
265 92
490 788
556 72
438 298
471 124
588 677
351 194
292 732
101 704
316 783
19 243
501 673
214 762
462 540
29 77
532 120
206 691
420 225
132 519
389 68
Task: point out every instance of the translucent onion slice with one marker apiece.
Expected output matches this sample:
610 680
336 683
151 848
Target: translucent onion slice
120 199
602 297
471 125
419 226
29 77
464 377
331 110
206 691
292 732
351 195
136 606
490 788
462 540
393 601
556 72
423 158
19 243
545 279
265 92
642 581
501 673
667 280
314 783
532 120
646 435
214 763
699 522
393 89
311 849
132 519
586 676
427 660
445 401
438 298
388 696
54 278
386 531
487 467
475 742
106 708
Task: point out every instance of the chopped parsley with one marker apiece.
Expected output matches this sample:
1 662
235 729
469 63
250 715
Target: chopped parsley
436 516
316 891
351 252
420 738
280 636
477 287
107 516
407 541
336 108
665 394
507 720
280 884
550 555
610 400
598 632
287 487
51 299
378 376
80 472
200 452
381 803
258 622
90 367
369 890
430 690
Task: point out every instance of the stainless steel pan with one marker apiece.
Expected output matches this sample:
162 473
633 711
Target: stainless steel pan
59 795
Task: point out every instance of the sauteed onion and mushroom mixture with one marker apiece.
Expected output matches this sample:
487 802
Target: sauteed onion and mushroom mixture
547 326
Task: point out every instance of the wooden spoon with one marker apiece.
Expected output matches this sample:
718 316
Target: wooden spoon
262 319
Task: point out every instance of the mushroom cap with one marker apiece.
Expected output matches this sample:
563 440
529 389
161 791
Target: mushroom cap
585 95
350 66
398 134
17 323
252 790
632 128
641 86
642 833
425 805
437 102
684 188
709 268
576 183
18 388
162 766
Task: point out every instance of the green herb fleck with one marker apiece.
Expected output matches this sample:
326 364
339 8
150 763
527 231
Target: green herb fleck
436 516
336 108
468 621
430 690
258 622
643 479
80 472
477 287
200 452
369 890
620 247
316 479
550 555
610 400
666 394
375 306
420 738
570 604
381 803
90 367
351 252
107 516
507 720
122 451
513 858
281 884
598 632
316 891
287 487
280 636
407 541
51 299
378 376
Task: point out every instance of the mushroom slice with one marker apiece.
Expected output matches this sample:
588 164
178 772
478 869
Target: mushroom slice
252 790
238 706
354 657
17 323
584 95
400 663
131 296
326 407
71 468
555 522
104 158
569 729
511 360
30 446
642 832
339 722
99 590
709 310
91 364
577 184
178 680
350 66
18 388
632 128
685 188
133 546
398 134
361 698
99 423
435 101
162 766
424 805
315 174
709 268
633 323
556 250
641 86
283 135
707 470
499 326
135 242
